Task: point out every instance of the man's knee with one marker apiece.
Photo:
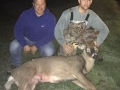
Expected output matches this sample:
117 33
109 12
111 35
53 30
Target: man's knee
47 52
14 46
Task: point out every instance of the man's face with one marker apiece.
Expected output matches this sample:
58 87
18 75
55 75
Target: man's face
39 6
85 4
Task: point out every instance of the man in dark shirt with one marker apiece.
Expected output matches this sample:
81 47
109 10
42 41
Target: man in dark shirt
33 30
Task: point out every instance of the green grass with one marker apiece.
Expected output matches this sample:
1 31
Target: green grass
104 75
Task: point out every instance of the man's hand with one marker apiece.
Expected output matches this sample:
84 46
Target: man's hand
68 48
96 45
33 49
26 48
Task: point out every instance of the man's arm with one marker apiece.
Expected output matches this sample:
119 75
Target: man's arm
19 29
60 26
99 25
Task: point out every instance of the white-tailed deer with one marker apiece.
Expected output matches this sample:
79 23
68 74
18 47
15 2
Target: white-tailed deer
55 69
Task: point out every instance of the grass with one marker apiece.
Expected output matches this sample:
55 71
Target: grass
104 75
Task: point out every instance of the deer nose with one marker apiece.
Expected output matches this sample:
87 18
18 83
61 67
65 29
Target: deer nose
94 55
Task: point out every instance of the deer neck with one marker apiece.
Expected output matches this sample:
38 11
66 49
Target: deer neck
89 61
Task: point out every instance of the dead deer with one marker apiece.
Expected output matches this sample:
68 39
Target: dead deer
55 69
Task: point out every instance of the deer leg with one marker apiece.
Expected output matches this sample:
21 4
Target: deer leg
31 85
26 78
83 82
25 85
78 83
9 83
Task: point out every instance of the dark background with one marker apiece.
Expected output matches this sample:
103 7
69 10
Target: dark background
11 9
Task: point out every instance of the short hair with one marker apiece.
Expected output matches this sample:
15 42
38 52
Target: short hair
34 1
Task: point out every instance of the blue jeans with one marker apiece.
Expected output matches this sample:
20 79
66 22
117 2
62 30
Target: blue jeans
16 48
